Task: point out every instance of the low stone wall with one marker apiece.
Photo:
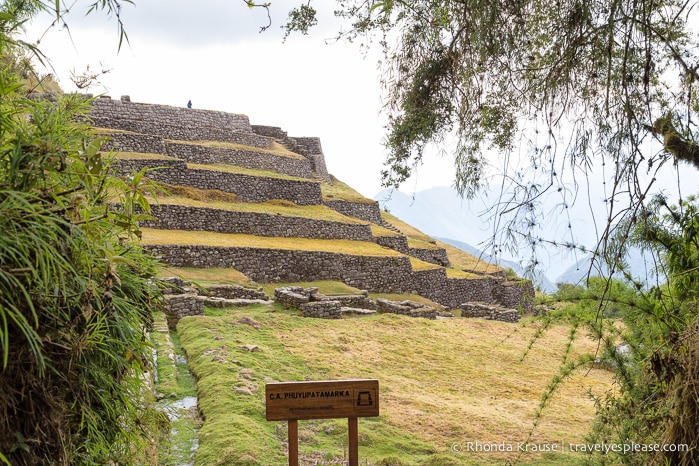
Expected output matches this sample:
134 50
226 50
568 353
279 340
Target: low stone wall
433 256
255 160
515 295
124 109
368 211
489 312
397 243
248 188
179 217
182 124
175 285
406 308
322 309
182 305
291 297
358 301
134 142
235 292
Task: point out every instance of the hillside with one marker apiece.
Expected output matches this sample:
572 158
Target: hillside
443 384
246 210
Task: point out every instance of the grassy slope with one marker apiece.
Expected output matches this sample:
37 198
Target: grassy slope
442 382
341 191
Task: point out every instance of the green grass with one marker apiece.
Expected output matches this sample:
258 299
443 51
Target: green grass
442 383
338 190
177 437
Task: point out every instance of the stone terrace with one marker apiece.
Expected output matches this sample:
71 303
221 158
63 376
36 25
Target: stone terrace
176 135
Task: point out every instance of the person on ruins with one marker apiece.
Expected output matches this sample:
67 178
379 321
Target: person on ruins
189 104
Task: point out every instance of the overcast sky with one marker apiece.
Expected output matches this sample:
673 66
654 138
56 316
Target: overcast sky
211 51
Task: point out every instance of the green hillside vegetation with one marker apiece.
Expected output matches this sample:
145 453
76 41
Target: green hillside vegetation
442 384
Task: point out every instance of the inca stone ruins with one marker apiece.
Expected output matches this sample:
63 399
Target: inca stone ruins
285 223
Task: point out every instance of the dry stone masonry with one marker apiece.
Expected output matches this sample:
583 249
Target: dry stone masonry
180 217
489 312
248 188
406 308
175 135
182 299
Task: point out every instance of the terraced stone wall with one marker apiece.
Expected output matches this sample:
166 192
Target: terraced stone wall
178 123
368 211
398 243
306 146
380 274
248 188
309 147
319 168
433 256
270 131
193 153
180 217
135 142
278 265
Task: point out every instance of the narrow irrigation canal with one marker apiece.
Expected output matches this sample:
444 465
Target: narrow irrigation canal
176 397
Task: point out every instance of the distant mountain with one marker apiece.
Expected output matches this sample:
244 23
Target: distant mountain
468 225
539 280
640 265
441 213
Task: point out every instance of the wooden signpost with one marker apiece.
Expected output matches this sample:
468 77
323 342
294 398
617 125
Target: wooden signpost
328 399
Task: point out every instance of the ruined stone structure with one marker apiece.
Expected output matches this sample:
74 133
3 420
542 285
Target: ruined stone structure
489 312
263 163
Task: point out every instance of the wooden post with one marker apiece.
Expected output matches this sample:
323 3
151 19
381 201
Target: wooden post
323 399
293 442
353 441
